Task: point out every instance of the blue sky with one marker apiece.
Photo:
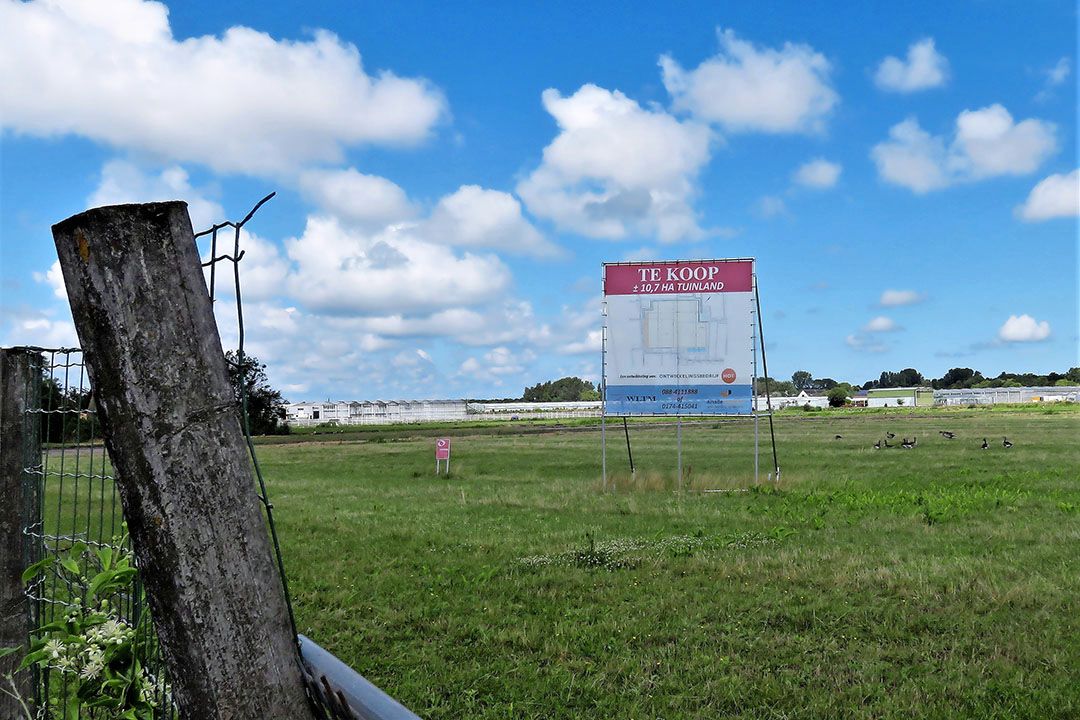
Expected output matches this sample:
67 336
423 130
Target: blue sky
450 178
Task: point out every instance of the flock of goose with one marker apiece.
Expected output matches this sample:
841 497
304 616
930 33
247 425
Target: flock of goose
914 441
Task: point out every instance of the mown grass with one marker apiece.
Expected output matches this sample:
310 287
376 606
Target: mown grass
941 581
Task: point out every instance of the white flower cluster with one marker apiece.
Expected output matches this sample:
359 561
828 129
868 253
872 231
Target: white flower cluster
85 657
110 632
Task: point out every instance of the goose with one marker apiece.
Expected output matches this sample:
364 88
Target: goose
839 437
948 435
1005 443
914 441
890 435
887 443
906 444
985 444
877 445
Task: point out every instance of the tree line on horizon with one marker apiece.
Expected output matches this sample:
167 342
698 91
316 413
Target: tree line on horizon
573 389
954 379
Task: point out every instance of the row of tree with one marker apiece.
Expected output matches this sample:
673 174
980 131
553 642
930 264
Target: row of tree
574 388
955 378
567 389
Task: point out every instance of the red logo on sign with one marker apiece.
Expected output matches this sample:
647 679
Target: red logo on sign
442 449
728 375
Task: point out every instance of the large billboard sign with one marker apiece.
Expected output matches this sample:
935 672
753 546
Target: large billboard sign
679 337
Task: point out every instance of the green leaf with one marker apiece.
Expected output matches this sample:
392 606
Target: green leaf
71 566
52 627
32 659
101 580
37 568
105 555
4 652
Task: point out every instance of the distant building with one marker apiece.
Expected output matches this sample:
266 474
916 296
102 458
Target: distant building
803 399
900 397
384 412
534 410
996 396
374 412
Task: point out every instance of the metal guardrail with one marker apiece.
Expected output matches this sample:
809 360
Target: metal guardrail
343 686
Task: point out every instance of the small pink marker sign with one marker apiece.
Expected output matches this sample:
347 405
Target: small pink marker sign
442 449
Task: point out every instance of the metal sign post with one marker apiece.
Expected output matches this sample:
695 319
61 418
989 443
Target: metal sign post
678 442
765 370
753 389
442 452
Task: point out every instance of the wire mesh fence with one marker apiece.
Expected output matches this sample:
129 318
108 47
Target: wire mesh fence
74 536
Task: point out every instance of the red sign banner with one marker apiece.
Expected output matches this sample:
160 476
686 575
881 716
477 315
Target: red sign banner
442 449
661 278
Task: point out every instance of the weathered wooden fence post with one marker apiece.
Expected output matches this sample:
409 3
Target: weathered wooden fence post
20 445
171 427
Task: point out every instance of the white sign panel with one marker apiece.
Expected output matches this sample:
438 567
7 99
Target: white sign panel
679 337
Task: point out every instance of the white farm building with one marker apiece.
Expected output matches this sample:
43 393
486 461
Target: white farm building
383 412
994 396
374 412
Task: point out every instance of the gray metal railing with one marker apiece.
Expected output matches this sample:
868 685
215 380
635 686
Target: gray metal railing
342 686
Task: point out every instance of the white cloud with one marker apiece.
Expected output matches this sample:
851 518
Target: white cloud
912 157
747 88
501 361
262 268
54 277
340 269
1060 72
989 143
405 359
113 72
125 182
986 143
925 68
475 217
34 326
355 197
592 343
818 173
864 343
638 255
617 169
1023 328
881 324
1054 197
449 322
497 365
1053 77
771 206
894 298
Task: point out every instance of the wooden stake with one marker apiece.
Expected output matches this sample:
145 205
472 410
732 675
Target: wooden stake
172 429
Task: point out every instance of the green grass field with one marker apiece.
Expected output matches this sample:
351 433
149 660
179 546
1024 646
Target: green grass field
942 581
